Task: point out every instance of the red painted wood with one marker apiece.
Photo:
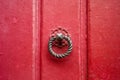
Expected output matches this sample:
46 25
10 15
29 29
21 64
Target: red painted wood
67 15
104 40
25 28
16 40
20 36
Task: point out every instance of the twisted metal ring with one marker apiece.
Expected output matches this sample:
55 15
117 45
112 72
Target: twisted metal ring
62 55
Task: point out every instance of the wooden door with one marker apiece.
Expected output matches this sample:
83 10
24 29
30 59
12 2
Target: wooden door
26 27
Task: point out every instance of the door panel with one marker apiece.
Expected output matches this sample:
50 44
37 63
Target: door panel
16 40
104 40
62 14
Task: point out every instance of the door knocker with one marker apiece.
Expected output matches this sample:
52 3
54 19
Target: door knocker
58 38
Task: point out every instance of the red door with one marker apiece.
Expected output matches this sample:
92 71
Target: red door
91 26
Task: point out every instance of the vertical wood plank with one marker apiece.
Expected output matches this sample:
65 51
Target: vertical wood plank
67 15
16 40
104 39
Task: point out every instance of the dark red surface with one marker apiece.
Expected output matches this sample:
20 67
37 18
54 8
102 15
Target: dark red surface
104 39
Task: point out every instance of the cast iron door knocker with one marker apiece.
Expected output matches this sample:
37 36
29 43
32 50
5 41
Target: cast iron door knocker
58 38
